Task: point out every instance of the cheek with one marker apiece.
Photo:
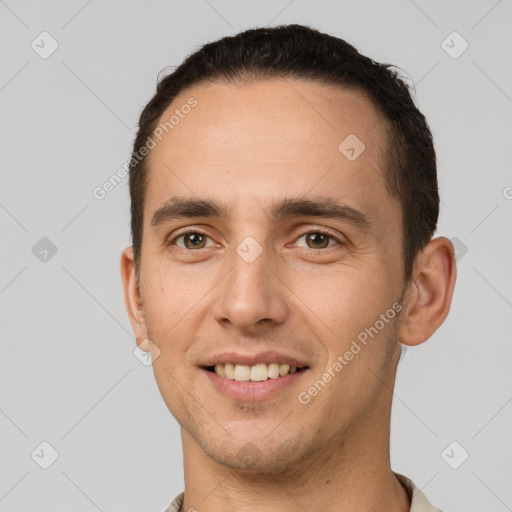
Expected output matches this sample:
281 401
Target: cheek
169 298
346 320
345 300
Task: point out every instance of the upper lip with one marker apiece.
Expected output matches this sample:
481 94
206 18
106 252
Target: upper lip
253 359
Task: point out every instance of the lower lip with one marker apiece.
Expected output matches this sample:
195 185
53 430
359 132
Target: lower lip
251 391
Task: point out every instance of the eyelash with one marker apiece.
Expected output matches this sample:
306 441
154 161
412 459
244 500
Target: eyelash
312 231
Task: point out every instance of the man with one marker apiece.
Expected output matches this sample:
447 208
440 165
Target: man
283 201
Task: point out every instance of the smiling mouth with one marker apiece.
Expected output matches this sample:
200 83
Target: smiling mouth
256 373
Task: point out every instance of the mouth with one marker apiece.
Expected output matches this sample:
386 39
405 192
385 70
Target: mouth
255 373
254 382
252 377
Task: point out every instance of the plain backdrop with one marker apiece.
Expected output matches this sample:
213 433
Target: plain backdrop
69 375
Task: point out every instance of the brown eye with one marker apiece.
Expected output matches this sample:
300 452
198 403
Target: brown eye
194 240
318 240
190 240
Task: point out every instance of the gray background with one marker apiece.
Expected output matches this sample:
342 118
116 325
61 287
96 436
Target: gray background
68 372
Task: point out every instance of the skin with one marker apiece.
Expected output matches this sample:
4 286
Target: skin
247 145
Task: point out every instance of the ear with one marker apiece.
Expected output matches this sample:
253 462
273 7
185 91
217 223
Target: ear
429 293
133 299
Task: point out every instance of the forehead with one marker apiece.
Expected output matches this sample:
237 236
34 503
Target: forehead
249 118
264 138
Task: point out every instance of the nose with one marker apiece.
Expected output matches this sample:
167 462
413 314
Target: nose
252 296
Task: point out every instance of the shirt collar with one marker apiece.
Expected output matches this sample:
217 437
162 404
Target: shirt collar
419 502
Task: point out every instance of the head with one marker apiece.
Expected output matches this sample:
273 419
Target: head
306 176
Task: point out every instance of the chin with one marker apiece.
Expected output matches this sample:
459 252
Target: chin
262 456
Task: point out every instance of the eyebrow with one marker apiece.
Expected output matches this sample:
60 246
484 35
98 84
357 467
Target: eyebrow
325 207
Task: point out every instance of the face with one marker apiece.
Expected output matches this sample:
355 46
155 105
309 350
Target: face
269 243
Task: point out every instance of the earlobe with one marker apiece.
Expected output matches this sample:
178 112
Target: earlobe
132 298
429 295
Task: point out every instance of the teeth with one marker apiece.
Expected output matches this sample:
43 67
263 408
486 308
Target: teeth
257 373
242 372
229 370
273 370
219 370
283 369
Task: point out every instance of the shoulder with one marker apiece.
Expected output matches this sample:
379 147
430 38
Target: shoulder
419 502
176 504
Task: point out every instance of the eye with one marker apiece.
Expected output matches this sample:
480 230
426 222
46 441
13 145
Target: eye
194 239
191 239
318 239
